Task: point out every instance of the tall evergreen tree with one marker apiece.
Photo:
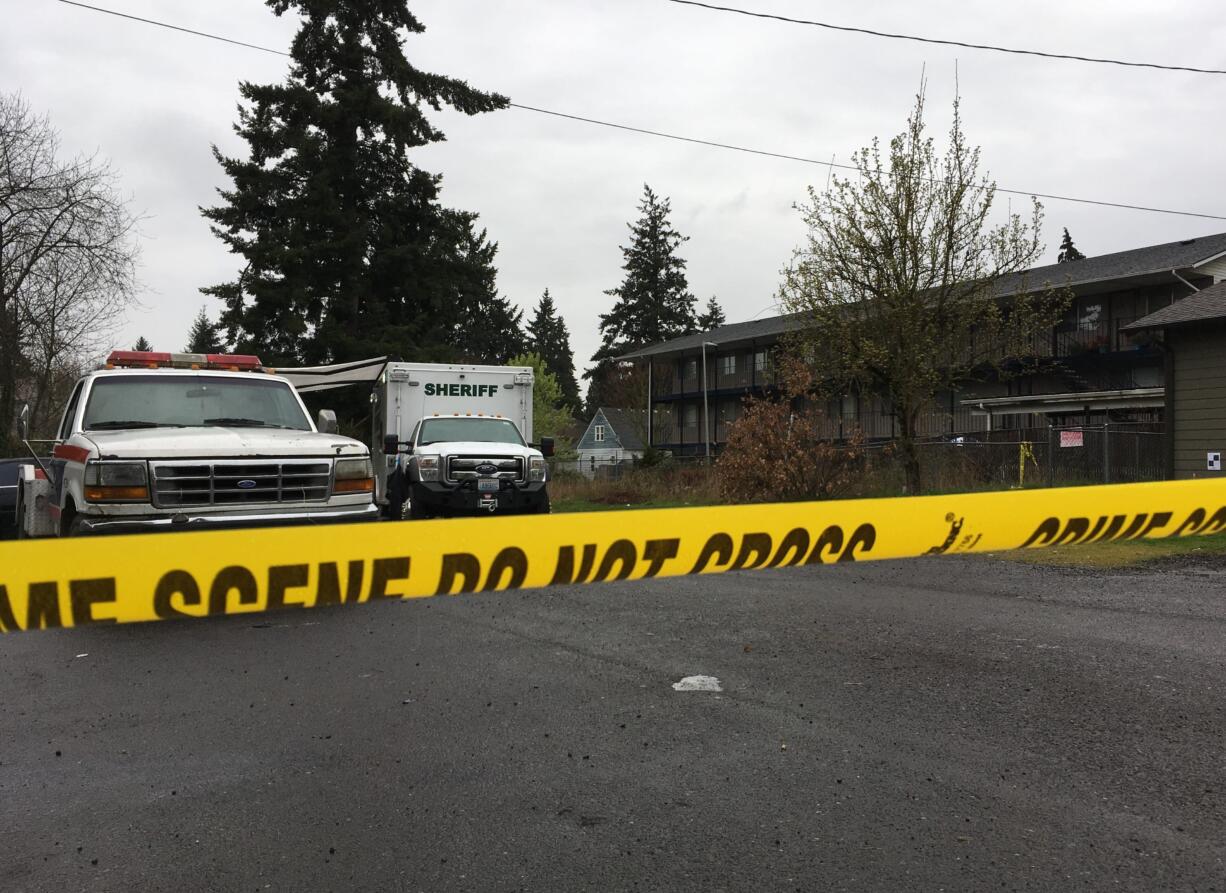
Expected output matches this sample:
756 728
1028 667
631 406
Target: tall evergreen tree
653 301
1068 251
485 328
712 317
203 336
142 345
549 339
346 250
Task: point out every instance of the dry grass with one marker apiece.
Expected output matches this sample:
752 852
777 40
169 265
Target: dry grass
645 487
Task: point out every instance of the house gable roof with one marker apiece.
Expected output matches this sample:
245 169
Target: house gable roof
626 425
1207 304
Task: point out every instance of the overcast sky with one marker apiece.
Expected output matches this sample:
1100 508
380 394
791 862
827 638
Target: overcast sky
556 195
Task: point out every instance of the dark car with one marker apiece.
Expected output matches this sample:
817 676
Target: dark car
8 496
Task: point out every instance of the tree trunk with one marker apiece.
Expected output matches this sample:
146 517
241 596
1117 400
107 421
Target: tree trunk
908 454
8 380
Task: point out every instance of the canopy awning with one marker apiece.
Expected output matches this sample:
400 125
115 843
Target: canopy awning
321 378
1077 401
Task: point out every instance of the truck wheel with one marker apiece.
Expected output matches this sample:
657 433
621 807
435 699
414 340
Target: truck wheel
417 514
542 507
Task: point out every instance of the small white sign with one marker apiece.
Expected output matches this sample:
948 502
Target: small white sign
1215 461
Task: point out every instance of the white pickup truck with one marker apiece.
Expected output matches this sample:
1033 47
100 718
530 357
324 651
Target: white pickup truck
464 464
159 441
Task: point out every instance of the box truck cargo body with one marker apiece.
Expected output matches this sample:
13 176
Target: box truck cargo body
456 439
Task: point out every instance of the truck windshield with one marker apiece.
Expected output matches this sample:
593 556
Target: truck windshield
444 430
171 401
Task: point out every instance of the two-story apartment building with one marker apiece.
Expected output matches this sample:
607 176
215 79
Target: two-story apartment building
1093 367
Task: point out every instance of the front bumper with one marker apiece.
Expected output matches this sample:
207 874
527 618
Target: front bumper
188 521
464 499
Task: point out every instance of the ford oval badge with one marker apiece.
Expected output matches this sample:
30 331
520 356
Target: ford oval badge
246 485
487 468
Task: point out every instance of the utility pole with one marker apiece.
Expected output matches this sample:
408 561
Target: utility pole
706 419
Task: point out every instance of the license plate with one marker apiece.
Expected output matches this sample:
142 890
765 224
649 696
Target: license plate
488 486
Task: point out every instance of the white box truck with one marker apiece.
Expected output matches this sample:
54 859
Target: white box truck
457 440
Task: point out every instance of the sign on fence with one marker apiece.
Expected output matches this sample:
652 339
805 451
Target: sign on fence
1072 438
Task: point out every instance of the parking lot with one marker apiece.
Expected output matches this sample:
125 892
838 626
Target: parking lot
960 724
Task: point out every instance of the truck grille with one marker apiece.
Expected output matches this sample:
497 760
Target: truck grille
178 484
464 468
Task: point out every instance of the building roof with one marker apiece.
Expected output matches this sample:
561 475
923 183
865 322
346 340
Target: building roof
630 425
1152 260
770 327
1207 304
1147 261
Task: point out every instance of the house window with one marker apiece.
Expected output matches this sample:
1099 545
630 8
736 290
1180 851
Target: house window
598 433
759 361
727 365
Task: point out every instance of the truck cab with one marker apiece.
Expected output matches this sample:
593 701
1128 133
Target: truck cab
472 464
158 441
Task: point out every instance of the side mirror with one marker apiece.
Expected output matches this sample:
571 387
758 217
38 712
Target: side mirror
547 447
391 445
23 421
326 421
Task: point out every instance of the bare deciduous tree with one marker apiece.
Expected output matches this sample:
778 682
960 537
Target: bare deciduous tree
900 277
67 259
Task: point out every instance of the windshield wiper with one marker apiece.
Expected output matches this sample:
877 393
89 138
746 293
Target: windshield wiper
128 423
242 423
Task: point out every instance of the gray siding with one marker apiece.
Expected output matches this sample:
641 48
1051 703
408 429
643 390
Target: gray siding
589 442
1199 418
1215 268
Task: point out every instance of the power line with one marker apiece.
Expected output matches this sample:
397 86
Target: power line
124 15
951 43
672 136
850 167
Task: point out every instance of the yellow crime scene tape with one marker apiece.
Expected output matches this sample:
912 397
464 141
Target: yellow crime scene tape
126 579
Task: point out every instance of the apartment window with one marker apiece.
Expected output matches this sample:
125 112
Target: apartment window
690 417
691 368
759 361
727 365
598 433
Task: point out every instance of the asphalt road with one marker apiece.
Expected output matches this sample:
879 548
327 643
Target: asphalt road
947 724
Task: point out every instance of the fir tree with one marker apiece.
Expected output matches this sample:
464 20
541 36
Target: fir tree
1068 251
142 345
653 301
486 328
203 336
549 339
346 252
712 317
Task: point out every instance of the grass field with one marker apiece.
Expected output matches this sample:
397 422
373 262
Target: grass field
1131 553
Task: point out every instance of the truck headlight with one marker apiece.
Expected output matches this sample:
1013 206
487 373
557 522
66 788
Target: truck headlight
536 469
427 468
116 482
353 476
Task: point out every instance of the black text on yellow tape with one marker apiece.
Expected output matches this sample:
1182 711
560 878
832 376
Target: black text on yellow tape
59 583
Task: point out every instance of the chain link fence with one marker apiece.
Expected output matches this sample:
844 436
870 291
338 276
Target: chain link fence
1032 457
1028 457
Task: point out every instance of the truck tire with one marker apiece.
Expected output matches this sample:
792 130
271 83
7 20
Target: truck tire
542 507
417 514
